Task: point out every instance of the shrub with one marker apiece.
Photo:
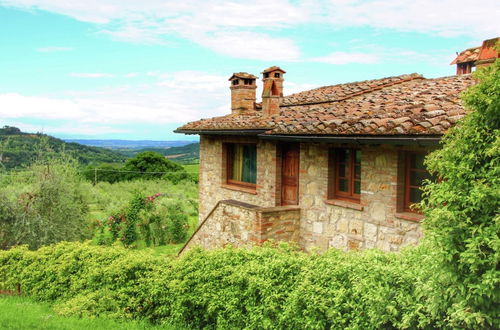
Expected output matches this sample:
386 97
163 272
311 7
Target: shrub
176 224
153 163
143 220
104 173
48 207
267 287
462 210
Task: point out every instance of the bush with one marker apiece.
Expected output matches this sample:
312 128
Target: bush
47 207
176 224
143 220
462 210
104 173
146 165
87 280
153 163
268 287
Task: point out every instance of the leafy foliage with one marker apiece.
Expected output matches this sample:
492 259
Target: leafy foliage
147 165
152 162
44 208
187 154
270 287
143 220
462 210
18 149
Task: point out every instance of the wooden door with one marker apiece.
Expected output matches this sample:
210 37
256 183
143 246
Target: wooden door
290 174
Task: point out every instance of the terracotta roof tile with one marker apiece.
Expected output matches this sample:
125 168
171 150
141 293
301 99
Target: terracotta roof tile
273 68
483 53
243 75
468 55
408 104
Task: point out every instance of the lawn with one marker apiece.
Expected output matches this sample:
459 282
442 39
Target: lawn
23 313
192 168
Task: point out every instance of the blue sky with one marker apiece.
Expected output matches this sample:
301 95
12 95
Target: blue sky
132 69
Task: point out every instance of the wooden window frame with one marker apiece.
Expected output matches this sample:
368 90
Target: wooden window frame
407 180
229 166
334 177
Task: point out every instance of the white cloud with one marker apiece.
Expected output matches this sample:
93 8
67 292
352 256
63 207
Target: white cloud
245 29
347 58
176 97
444 17
91 75
211 23
148 20
53 49
172 98
18 106
251 45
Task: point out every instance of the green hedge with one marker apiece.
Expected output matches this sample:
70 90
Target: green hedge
233 288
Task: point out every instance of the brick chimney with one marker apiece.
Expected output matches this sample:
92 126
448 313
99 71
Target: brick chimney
481 56
272 92
242 92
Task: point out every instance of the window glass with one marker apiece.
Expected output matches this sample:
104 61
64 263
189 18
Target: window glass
357 187
346 182
415 195
343 185
417 161
243 162
416 174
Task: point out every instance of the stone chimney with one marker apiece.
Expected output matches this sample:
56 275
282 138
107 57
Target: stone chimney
272 92
242 92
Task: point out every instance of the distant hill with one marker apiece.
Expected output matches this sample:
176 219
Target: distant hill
187 154
129 144
18 149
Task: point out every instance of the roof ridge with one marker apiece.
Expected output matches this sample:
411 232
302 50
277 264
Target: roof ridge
410 77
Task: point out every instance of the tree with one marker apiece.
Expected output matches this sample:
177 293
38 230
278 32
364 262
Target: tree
49 206
10 130
462 209
152 163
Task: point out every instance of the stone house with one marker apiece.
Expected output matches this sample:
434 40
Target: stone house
336 166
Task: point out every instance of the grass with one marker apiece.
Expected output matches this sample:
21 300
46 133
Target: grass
192 168
23 313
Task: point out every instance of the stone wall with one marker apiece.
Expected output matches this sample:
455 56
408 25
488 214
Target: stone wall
243 225
373 223
212 187
376 222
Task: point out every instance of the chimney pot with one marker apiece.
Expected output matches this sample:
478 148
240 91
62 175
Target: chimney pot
272 93
243 88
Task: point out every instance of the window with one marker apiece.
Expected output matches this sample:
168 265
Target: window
248 81
242 164
236 81
415 174
345 174
266 75
276 75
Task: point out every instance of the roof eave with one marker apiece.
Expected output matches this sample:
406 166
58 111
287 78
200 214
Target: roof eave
427 140
221 132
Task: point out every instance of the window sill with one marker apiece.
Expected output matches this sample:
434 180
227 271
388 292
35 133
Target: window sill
410 216
240 188
346 204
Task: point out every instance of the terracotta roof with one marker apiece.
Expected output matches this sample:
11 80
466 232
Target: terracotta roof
273 68
488 51
468 55
243 75
485 52
407 104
